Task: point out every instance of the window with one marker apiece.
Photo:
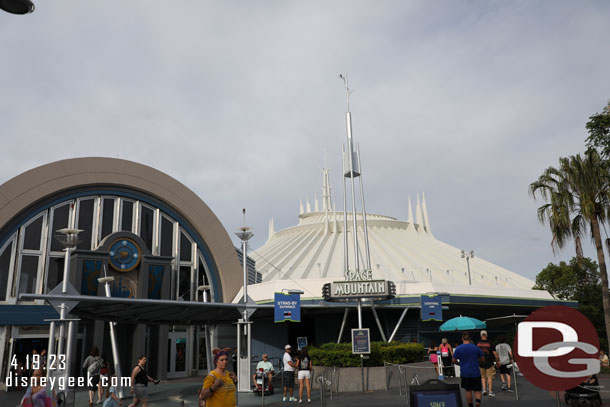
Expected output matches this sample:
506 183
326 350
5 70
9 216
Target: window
85 222
146 226
29 271
184 283
5 269
31 240
107 217
127 218
185 247
167 237
55 273
61 217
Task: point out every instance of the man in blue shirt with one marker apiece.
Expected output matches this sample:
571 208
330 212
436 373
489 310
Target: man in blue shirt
467 356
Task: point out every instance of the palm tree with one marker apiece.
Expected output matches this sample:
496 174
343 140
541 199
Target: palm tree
578 197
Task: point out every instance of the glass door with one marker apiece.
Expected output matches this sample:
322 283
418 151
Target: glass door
176 354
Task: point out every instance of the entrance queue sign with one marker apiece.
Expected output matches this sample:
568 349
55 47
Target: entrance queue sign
361 341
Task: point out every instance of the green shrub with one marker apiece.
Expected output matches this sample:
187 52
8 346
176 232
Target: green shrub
340 354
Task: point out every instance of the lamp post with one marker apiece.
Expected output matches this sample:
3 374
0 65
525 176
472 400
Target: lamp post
106 280
69 239
468 256
243 324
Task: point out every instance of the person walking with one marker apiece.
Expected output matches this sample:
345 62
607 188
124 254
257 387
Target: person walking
139 383
446 354
467 356
304 365
433 356
38 395
92 365
488 370
288 374
505 357
218 389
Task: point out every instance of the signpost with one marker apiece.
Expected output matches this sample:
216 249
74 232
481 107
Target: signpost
287 307
301 342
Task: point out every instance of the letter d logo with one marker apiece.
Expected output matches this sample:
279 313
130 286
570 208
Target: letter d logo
525 335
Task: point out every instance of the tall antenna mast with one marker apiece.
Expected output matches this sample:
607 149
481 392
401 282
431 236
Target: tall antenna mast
351 169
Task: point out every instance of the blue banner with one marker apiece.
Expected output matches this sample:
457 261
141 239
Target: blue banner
287 307
431 308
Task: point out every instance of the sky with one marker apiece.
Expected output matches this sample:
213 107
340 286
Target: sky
464 101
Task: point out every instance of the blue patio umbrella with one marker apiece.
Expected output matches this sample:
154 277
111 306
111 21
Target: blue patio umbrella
462 324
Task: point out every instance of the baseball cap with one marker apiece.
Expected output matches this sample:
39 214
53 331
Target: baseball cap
483 333
287 347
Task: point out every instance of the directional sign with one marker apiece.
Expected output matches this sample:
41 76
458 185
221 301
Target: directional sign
287 307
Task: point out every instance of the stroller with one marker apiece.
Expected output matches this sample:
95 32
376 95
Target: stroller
262 381
585 394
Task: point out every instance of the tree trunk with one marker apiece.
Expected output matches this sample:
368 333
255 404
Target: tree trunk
603 274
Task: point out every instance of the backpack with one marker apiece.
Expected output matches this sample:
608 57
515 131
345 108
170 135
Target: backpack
444 351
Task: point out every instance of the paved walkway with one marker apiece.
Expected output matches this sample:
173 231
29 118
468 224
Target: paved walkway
173 393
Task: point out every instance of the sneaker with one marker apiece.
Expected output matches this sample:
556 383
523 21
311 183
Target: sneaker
492 394
510 390
300 401
309 400
503 387
484 392
292 399
284 399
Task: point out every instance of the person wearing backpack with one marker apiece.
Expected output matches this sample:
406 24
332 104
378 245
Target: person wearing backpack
92 365
446 356
304 366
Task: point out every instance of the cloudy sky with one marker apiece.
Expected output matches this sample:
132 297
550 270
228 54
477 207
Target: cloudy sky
465 101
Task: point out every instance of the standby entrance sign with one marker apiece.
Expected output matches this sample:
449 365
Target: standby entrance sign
287 307
361 341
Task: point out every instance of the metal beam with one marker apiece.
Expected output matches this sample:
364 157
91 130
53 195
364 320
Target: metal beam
404 313
378 321
342 325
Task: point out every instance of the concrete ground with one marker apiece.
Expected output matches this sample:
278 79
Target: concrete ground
172 393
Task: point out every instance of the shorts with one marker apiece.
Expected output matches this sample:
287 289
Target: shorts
472 383
95 379
140 392
504 369
489 372
304 374
288 378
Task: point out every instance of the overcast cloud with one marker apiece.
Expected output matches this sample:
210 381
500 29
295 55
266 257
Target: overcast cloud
465 101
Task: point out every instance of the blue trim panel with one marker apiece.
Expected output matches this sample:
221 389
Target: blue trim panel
21 315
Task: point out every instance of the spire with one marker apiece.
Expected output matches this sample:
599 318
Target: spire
301 210
326 200
410 215
315 202
271 229
425 210
308 207
418 214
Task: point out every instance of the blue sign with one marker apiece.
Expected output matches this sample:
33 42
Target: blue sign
361 341
431 308
287 307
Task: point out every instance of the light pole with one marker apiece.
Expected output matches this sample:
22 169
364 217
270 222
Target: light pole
243 325
468 256
106 280
69 239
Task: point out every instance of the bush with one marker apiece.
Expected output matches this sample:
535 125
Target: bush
340 354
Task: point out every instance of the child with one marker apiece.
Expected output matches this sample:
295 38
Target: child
112 400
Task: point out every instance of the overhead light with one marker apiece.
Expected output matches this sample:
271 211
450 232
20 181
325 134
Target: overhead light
17 6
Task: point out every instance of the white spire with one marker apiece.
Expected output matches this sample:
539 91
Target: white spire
418 214
301 210
315 202
410 214
308 206
326 200
425 210
271 229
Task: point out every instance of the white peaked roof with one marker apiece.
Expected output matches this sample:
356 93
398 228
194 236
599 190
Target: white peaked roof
405 252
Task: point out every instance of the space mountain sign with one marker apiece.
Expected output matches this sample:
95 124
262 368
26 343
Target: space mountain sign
346 290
